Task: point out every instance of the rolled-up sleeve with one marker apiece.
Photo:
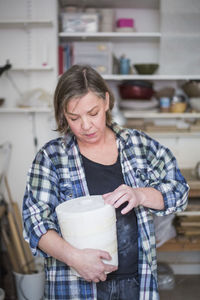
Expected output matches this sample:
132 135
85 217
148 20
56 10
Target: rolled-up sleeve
39 201
165 176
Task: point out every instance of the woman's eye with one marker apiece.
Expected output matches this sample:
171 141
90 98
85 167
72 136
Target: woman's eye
73 119
94 114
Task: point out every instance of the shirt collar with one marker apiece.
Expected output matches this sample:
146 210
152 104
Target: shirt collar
121 133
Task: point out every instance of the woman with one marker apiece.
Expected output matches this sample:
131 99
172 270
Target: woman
95 156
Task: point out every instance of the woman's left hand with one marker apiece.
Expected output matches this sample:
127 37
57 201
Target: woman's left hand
122 194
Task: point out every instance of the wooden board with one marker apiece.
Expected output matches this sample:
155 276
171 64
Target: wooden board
17 244
2 210
15 222
193 182
27 252
11 253
185 244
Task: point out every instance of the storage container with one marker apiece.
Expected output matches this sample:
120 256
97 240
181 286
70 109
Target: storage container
97 55
80 22
87 222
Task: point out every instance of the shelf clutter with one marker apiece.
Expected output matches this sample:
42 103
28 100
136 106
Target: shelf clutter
16 256
187 223
18 250
156 122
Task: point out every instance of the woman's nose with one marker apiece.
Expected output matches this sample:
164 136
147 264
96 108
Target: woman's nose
85 124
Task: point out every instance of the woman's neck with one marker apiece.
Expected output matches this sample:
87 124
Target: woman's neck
104 152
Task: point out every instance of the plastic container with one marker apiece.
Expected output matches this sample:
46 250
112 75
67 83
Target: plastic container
80 22
166 279
165 103
87 222
125 22
30 286
97 54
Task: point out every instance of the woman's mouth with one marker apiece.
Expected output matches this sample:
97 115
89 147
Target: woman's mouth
90 135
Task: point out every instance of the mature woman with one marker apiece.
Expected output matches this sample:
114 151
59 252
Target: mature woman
133 172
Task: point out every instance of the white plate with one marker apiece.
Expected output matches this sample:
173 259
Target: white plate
139 104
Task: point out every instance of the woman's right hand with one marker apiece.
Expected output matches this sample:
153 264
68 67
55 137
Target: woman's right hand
88 263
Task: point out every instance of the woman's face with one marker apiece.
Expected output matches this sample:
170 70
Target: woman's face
86 117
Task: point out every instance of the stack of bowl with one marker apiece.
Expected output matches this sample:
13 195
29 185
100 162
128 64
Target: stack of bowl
136 89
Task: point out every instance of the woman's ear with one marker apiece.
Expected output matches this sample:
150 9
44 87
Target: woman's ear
107 100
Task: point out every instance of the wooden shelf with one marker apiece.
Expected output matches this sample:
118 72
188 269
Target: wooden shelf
26 110
25 22
111 36
180 245
193 182
157 115
30 69
161 77
193 193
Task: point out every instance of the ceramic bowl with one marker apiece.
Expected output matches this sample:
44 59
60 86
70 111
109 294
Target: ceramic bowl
192 88
146 68
195 103
178 107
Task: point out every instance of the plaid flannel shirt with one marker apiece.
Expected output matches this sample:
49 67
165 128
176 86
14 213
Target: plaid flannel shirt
57 175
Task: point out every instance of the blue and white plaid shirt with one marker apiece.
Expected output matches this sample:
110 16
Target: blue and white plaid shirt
57 175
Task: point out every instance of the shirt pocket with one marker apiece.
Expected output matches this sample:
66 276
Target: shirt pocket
66 192
142 178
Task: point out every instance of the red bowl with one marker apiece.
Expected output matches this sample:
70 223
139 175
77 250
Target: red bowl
135 92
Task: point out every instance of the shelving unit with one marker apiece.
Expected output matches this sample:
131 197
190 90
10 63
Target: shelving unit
127 43
29 38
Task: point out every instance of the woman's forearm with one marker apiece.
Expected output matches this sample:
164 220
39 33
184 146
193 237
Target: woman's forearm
54 245
145 196
87 262
151 198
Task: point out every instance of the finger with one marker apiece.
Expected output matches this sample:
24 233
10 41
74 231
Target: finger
127 208
110 268
106 195
103 277
114 196
121 187
120 201
96 280
105 255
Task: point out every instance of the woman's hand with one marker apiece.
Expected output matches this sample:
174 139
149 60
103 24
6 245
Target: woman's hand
148 197
88 263
122 194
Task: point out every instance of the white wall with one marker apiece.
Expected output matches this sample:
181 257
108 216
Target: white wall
25 47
